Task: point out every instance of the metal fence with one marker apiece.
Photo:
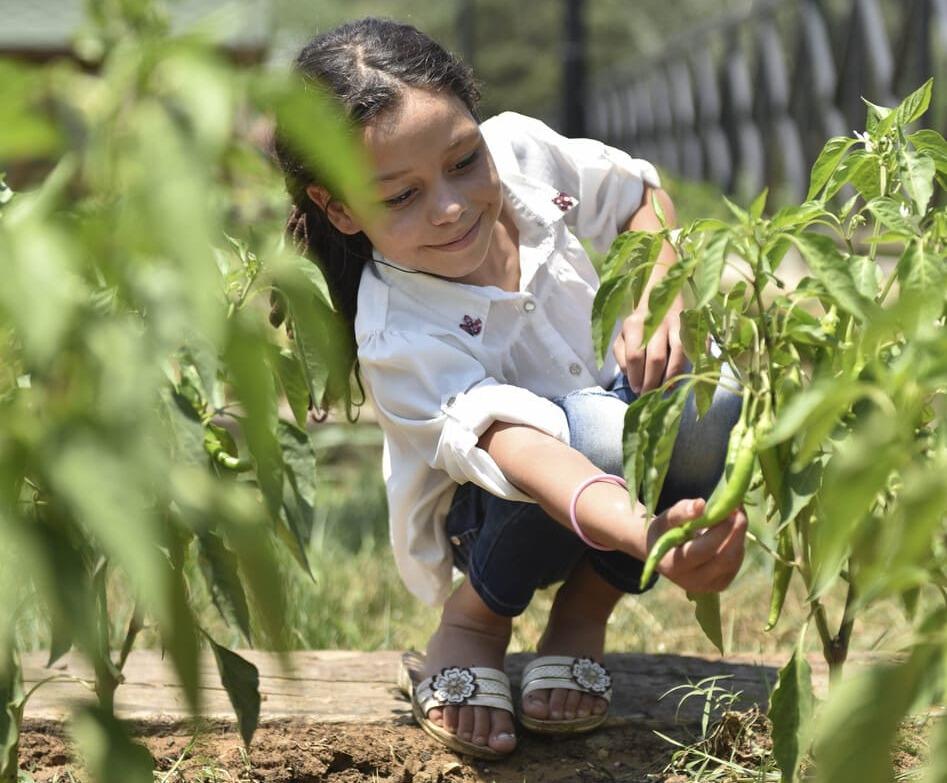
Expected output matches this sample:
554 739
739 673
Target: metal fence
748 100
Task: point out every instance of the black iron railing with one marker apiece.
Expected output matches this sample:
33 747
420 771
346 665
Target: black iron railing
748 100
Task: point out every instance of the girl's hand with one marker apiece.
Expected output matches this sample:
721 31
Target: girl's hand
648 366
708 562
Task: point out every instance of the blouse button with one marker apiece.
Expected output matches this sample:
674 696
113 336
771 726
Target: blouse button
455 540
529 306
575 368
451 401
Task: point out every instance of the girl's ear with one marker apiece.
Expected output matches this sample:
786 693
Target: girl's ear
337 213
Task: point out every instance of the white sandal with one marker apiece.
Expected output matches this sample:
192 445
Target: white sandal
576 674
475 686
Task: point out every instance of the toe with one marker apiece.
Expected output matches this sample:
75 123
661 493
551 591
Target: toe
557 700
481 726
502 733
450 719
436 716
536 704
465 723
586 704
571 704
600 706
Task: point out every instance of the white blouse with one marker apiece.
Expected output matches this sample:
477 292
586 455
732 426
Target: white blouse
442 360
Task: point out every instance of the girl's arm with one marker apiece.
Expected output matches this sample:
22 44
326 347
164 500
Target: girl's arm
549 471
648 366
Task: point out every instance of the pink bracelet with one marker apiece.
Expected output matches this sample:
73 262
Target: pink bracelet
607 477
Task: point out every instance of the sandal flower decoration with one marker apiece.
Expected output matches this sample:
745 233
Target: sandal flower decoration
590 675
455 685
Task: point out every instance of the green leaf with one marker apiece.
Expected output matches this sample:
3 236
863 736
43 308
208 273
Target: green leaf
794 217
759 204
662 296
313 123
628 250
912 107
853 478
867 274
247 355
887 211
878 120
921 274
109 754
241 680
790 712
825 399
738 213
827 162
709 268
933 145
707 614
219 567
612 300
917 177
663 428
635 438
292 378
12 699
299 495
830 268
856 729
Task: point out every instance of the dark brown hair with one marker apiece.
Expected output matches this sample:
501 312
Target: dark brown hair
365 65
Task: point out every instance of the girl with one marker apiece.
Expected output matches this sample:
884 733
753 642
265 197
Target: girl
470 302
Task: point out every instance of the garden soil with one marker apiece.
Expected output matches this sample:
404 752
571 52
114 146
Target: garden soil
337 717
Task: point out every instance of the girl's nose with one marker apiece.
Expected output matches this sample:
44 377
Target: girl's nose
449 204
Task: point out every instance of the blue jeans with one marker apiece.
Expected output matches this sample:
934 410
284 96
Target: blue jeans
510 548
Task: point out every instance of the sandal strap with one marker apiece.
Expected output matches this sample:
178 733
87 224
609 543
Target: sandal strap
476 686
562 671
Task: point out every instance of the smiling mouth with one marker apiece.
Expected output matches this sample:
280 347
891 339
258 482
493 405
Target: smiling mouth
462 236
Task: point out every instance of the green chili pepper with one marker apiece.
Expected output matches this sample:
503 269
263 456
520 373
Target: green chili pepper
216 451
782 573
727 495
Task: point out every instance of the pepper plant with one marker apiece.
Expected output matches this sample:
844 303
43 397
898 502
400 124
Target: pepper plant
843 377
139 378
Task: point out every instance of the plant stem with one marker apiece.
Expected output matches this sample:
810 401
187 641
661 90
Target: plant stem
134 626
106 675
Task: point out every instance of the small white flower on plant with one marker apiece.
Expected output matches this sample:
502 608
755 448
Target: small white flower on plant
455 685
905 210
591 675
864 139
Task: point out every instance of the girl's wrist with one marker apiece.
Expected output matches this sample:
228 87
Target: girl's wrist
598 507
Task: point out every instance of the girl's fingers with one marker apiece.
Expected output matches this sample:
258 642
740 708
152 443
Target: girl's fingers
707 545
618 351
632 331
656 358
711 560
676 358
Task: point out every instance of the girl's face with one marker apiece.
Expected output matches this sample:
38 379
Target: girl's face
438 186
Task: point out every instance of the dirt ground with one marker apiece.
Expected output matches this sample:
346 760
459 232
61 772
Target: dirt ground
292 752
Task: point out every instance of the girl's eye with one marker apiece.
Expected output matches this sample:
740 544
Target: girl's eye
469 160
399 199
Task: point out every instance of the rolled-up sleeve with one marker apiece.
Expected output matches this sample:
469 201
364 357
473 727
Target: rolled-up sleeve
608 182
437 399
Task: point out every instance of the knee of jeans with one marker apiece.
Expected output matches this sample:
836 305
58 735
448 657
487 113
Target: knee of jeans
596 422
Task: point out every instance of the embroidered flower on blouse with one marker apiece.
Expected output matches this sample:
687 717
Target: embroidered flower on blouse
472 325
455 685
590 675
564 201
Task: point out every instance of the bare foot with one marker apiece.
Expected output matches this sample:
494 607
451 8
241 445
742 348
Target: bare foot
471 635
576 628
